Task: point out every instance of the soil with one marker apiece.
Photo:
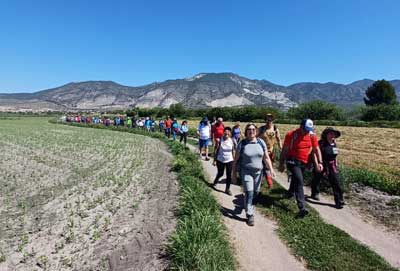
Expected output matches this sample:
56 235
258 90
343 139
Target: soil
376 206
70 203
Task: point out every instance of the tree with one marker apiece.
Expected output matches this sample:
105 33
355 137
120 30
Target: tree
381 92
316 110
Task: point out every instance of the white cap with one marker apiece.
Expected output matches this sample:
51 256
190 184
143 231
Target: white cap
308 125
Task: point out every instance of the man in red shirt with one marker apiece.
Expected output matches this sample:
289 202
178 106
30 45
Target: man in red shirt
217 131
297 147
168 124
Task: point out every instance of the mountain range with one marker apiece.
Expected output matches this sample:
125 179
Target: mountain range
201 90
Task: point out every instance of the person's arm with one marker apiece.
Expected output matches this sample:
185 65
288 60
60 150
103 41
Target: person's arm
317 153
278 139
234 165
282 159
216 150
268 162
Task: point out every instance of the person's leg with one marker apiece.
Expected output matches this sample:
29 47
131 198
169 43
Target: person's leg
206 147
220 171
298 181
185 135
181 138
228 177
248 188
337 190
315 184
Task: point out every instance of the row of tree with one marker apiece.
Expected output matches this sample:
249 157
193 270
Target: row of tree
381 104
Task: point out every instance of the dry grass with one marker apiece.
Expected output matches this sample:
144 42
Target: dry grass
376 149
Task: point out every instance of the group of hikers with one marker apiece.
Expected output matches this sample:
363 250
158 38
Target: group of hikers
248 156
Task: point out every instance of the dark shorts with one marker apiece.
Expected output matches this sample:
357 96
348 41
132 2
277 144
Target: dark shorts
203 143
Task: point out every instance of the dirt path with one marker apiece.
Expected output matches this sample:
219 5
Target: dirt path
258 247
349 220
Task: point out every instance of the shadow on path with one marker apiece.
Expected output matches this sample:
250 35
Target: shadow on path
234 214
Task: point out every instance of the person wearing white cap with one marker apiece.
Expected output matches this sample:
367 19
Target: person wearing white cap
297 147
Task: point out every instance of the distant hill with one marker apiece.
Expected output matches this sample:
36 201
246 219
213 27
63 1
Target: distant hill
201 90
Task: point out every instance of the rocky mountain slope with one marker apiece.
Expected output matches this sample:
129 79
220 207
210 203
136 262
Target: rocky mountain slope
201 90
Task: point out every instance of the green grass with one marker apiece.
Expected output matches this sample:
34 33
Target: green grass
200 241
322 246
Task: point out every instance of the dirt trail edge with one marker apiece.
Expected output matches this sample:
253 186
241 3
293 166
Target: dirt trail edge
376 237
258 247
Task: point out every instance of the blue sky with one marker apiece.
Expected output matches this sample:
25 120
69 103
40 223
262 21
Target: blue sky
45 44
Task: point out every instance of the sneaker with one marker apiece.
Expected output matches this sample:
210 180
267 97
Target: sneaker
228 192
302 213
250 220
315 197
339 205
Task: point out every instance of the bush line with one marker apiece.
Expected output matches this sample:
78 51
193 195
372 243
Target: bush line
200 241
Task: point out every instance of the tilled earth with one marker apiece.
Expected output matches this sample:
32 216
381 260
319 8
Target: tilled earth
83 199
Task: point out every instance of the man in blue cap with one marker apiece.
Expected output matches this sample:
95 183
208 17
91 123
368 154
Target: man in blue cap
297 147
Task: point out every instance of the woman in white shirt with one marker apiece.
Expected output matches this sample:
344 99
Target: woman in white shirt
204 131
223 158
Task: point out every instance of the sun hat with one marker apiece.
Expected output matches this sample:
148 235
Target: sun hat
308 125
269 116
327 130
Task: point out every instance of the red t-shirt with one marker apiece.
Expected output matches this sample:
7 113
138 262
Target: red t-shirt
302 144
218 131
168 123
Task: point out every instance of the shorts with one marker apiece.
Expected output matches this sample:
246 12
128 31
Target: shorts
203 143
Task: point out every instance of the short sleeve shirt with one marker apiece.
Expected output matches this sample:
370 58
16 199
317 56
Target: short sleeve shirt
204 131
299 145
252 156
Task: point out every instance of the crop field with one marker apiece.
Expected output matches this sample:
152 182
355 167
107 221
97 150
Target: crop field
82 199
376 149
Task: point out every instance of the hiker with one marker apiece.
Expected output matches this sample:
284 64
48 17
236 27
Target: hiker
167 125
175 129
147 124
271 136
217 131
236 134
161 125
204 131
129 122
183 131
152 125
223 159
329 151
250 157
297 147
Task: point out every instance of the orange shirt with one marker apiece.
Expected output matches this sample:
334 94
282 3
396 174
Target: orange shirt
300 147
168 123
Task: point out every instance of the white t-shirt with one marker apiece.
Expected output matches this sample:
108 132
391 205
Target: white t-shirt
204 131
224 154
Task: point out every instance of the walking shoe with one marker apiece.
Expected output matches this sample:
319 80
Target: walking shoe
227 191
315 197
338 205
302 213
250 220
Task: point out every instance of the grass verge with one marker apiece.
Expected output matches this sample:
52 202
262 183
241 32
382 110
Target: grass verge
322 246
200 241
